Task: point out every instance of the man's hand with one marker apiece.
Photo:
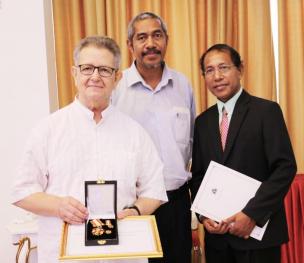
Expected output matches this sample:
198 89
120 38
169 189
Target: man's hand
72 211
214 227
126 212
240 225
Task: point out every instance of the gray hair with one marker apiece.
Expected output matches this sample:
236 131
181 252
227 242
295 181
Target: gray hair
99 42
143 16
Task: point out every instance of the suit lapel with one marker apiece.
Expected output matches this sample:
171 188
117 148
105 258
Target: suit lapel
237 119
214 132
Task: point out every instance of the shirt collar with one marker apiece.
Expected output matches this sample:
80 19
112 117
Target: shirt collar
134 77
90 114
229 105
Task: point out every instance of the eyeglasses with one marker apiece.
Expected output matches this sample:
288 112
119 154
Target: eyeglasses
103 71
224 68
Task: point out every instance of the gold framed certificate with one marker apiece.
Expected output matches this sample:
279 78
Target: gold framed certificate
138 238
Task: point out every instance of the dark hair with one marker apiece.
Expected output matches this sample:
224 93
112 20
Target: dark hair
234 55
143 16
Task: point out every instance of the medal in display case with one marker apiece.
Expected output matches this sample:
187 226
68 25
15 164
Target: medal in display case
101 201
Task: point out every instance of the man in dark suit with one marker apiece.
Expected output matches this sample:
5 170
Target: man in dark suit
256 144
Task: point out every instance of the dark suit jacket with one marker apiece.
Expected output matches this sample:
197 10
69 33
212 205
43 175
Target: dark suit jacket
257 145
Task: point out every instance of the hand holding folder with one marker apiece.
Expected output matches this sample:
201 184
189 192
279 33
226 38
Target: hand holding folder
223 193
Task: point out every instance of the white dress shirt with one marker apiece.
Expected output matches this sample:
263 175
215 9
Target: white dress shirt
166 112
69 148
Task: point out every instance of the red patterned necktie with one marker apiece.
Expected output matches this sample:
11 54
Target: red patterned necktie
224 127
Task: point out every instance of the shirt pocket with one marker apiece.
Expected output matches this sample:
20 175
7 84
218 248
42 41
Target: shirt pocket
181 123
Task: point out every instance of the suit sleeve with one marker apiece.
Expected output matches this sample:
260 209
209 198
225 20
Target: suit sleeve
196 169
281 165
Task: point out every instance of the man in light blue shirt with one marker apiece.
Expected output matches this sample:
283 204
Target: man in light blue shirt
161 100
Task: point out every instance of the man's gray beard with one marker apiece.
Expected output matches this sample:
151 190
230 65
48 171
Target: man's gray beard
149 66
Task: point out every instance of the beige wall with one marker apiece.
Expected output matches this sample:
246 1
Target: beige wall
24 96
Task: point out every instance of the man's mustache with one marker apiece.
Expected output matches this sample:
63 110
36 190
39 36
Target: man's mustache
151 51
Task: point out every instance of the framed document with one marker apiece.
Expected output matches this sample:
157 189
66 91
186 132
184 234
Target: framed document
225 192
138 238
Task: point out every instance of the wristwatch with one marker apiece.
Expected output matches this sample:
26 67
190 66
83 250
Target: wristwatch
135 208
201 218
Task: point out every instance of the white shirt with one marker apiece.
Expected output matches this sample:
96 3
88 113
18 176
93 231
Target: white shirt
166 112
69 148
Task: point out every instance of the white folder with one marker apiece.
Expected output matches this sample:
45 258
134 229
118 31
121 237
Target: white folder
225 192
